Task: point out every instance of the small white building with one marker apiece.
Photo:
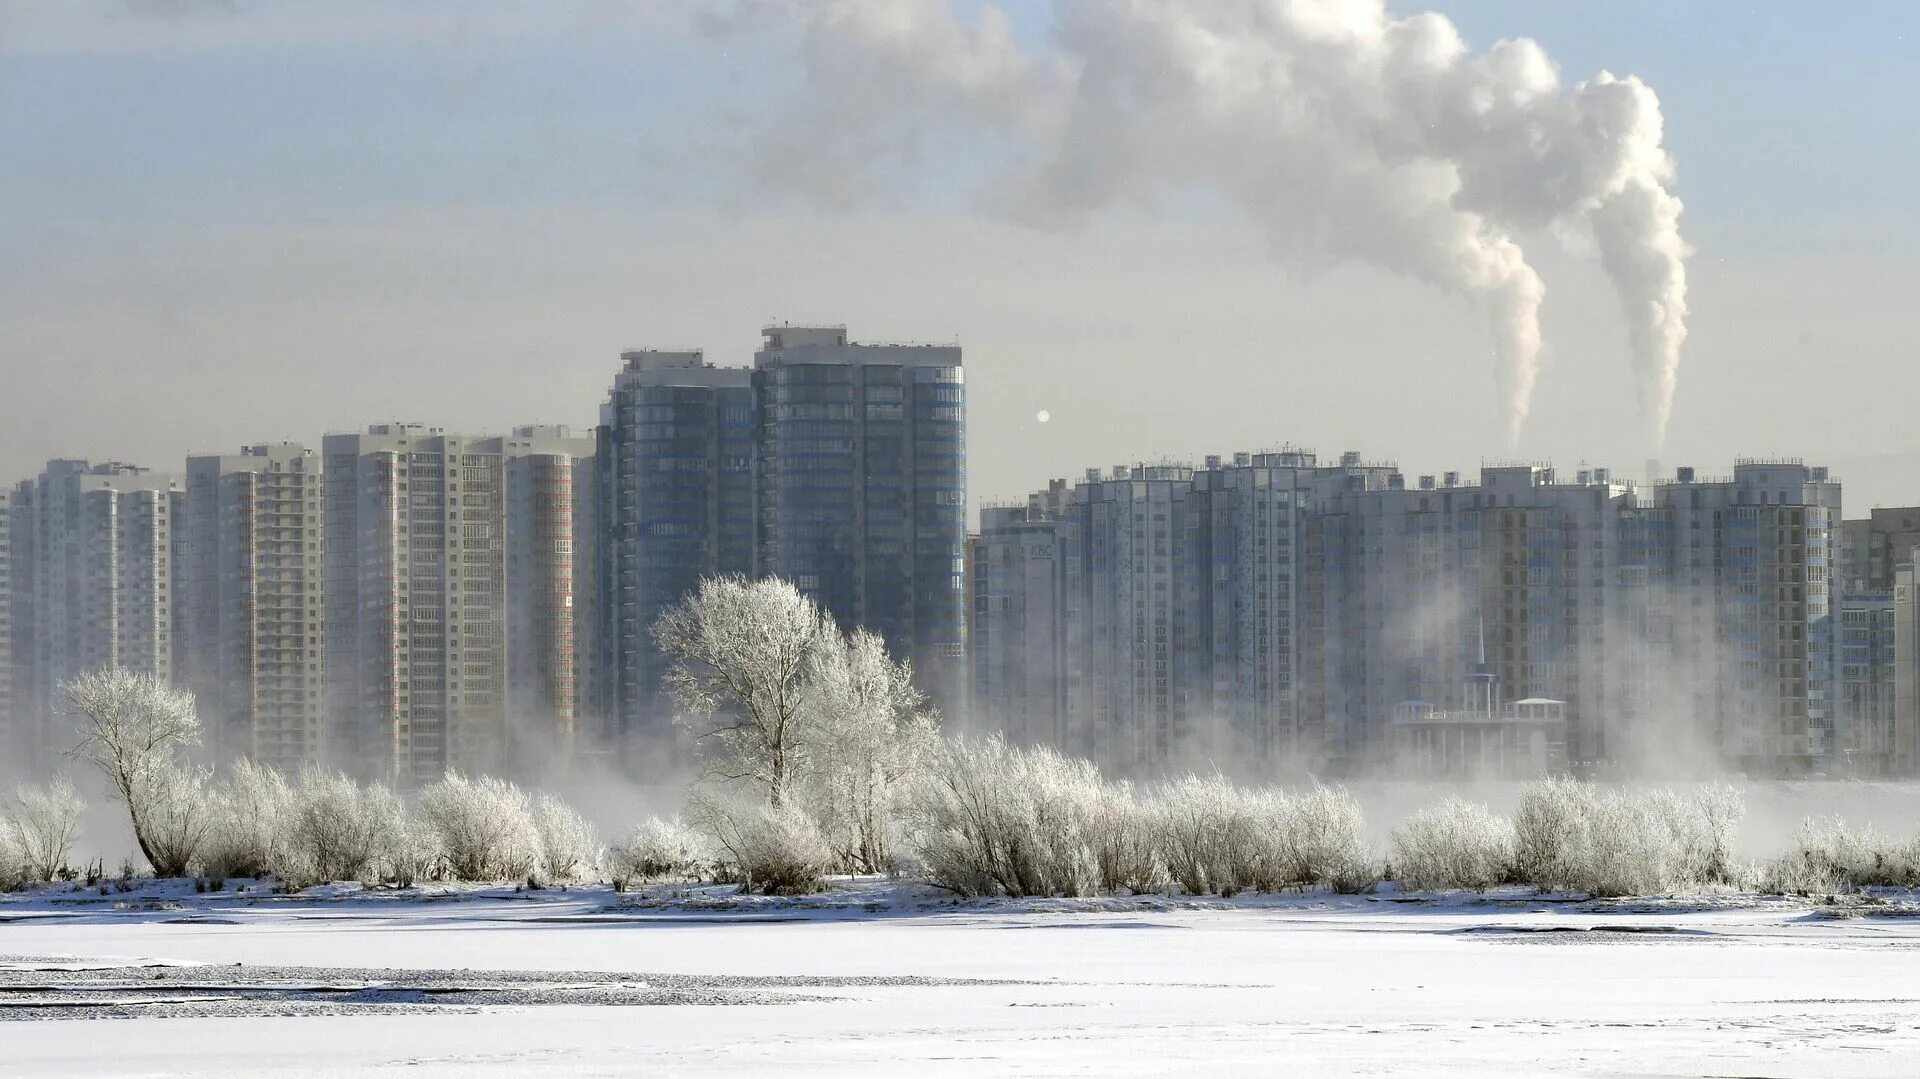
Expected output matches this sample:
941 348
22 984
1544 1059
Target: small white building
1522 738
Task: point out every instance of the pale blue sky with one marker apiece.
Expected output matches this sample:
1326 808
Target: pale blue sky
276 219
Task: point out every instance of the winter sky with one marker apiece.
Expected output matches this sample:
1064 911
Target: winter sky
243 220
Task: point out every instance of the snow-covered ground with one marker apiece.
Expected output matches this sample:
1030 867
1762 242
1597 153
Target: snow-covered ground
882 980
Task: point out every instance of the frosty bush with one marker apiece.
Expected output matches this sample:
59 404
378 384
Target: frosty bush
484 826
1210 834
1318 837
13 861
410 852
45 822
991 818
1454 844
775 849
655 850
251 806
569 847
336 830
1126 852
1574 836
1551 832
1827 856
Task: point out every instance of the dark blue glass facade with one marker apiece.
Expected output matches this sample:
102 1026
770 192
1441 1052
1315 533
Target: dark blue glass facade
676 452
862 497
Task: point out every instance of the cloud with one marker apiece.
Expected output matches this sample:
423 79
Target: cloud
1341 131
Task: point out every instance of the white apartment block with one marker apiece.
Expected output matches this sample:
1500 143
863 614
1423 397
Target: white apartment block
1749 602
254 600
12 740
416 601
1123 609
1246 538
103 563
551 532
1017 633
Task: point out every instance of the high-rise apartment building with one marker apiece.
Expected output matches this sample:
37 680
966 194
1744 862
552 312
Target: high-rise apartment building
1904 751
1246 540
1866 681
416 601
675 461
1414 586
861 490
551 532
1127 623
103 565
1273 609
1017 639
253 596
11 733
1870 548
1746 602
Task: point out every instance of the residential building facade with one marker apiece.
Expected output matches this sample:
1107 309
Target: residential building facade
416 597
675 463
1017 642
101 540
861 490
253 595
552 503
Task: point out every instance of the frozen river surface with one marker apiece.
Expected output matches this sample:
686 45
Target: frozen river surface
562 985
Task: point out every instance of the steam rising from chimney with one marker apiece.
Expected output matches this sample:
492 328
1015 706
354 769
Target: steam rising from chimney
1344 132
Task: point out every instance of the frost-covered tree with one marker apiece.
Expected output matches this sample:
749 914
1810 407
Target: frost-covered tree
179 818
133 727
739 652
569 846
44 824
484 827
875 730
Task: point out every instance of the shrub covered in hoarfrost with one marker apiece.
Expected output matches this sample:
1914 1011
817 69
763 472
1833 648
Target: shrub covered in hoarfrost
1316 838
1211 833
1828 856
45 823
655 850
13 860
1575 836
569 847
1126 851
991 818
337 830
484 827
1453 844
178 817
410 851
775 849
252 805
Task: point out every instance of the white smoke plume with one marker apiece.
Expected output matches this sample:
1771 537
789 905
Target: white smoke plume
1343 131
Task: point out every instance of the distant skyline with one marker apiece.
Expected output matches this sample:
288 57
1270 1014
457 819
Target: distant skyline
246 220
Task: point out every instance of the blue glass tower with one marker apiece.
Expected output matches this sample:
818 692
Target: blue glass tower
861 494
